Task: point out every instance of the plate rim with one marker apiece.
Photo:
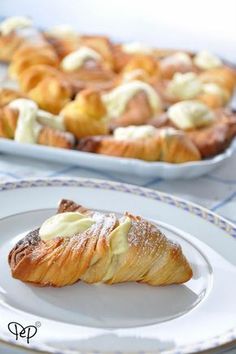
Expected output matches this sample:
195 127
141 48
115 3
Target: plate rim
225 339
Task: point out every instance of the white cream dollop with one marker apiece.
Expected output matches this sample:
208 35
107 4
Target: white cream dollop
31 119
62 31
28 128
190 114
184 86
136 48
75 60
117 99
206 60
14 23
134 132
65 225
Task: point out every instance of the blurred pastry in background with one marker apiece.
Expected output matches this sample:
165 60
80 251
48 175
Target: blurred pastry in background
210 130
22 121
86 115
13 32
145 143
131 103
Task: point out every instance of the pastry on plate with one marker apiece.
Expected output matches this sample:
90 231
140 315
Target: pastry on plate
210 130
22 121
131 103
80 244
144 143
7 95
86 115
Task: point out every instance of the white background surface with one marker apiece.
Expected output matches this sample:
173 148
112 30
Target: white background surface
188 24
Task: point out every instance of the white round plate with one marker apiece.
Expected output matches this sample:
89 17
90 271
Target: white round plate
199 315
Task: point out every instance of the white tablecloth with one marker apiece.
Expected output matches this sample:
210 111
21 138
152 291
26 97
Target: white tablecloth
216 191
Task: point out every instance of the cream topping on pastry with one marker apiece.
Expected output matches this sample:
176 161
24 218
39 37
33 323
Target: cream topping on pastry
28 128
64 225
214 89
62 31
75 60
136 48
180 57
51 120
14 23
134 132
132 75
190 114
184 86
31 119
169 131
118 245
117 99
206 60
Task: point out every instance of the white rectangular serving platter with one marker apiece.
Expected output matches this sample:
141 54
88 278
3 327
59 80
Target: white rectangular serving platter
124 166
115 164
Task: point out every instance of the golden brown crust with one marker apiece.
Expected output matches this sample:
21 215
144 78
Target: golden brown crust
169 65
212 139
150 258
7 95
29 55
86 115
51 94
55 138
8 46
223 76
163 146
8 122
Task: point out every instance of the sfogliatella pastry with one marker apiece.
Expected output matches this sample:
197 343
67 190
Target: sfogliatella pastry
86 115
79 244
131 103
145 143
210 130
22 121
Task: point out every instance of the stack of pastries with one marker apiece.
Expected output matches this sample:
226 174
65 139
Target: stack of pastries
129 100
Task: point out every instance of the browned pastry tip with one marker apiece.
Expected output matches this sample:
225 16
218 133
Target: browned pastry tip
7 95
215 138
66 205
63 46
8 122
149 257
56 138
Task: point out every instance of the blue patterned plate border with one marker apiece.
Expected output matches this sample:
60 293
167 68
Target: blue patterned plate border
220 341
